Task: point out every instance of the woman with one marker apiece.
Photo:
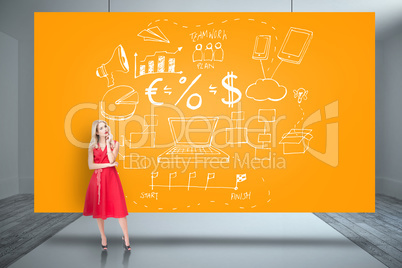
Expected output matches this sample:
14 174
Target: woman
105 196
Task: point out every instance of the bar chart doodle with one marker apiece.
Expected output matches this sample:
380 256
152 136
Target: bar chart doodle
159 62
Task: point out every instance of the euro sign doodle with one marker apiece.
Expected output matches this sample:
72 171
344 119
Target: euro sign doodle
227 82
152 91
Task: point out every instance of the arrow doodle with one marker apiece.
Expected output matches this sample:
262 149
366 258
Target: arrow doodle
212 91
166 90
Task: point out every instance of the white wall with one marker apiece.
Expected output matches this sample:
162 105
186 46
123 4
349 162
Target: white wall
200 6
389 114
17 17
17 20
8 114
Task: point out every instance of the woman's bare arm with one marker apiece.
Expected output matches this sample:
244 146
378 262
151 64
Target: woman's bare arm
116 150
93 165
110 154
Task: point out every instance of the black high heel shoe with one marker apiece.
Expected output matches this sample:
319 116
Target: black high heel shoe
104 247
124 244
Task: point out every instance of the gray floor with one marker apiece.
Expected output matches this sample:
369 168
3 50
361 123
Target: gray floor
379 233
22 230
203 240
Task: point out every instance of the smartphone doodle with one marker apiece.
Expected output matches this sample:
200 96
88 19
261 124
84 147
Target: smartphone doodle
261 47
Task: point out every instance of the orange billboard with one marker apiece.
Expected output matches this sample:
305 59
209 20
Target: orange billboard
212 112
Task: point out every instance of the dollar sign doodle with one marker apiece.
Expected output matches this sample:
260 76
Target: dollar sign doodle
227 82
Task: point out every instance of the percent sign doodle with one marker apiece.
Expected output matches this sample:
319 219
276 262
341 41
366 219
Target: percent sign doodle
189 105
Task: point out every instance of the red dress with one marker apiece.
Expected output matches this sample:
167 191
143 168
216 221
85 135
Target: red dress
105 197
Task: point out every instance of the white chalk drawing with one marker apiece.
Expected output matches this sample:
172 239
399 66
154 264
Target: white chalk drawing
119 103
149 91
208 52
192 175
182 81
266 89
172 176
146 138
300 94
153 34
159 62
211 53
117 63
295 45
227 82
237 134
296 141
241 177
198 105
261 47
218 53
161 52
263 152
156 63
167 90
261 139
210 176
153 176
194 147
212 89
198 55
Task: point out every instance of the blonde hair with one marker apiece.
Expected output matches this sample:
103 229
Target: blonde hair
95 137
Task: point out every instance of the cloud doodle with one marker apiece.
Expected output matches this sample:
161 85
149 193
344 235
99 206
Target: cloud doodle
266 89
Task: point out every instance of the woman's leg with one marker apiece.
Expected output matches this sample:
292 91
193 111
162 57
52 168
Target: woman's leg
101 225
123 225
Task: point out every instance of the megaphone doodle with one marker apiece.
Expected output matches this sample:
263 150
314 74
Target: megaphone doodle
117 63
